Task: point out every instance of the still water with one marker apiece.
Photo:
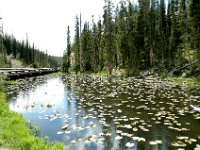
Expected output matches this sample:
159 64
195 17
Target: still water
99 113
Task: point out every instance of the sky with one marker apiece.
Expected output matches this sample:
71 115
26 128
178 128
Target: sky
45 21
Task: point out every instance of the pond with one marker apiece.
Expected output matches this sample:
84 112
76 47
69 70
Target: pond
100 113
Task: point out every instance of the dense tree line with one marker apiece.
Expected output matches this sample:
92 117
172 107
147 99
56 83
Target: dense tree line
158 34
28 53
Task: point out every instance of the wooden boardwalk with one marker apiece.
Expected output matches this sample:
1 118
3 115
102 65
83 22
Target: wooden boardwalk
16 73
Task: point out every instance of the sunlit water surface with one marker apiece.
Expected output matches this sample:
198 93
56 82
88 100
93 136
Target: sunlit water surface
117 113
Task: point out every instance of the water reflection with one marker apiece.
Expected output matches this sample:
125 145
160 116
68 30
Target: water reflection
116 113
50 106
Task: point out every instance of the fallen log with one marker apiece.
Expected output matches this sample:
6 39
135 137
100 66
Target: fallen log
179 68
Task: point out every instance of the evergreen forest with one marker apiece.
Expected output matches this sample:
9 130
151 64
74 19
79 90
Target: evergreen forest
25 52
160 36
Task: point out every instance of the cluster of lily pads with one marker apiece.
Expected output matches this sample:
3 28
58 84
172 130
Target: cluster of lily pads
24 85
135 107
126 112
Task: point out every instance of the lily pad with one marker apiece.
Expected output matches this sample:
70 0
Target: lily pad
129 145
178 144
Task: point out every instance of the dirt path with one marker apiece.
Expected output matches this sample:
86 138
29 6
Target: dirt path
15 63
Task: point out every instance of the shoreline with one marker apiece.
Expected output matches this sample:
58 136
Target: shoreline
14 131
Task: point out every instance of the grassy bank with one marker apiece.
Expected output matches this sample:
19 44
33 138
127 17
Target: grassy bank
189 81
15 134
104 73
181 79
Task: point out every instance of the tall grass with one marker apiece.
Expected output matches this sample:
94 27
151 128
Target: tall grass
15 134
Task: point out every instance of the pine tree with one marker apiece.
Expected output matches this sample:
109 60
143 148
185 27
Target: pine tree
86 40
195 26
152 36
121 36
68 49
95 47
33 54
147 33
77 49
101 44
132 30
168 33
161 51
140 35
80 48
8 44
67 53
109 35
14 47
184 48
174 38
